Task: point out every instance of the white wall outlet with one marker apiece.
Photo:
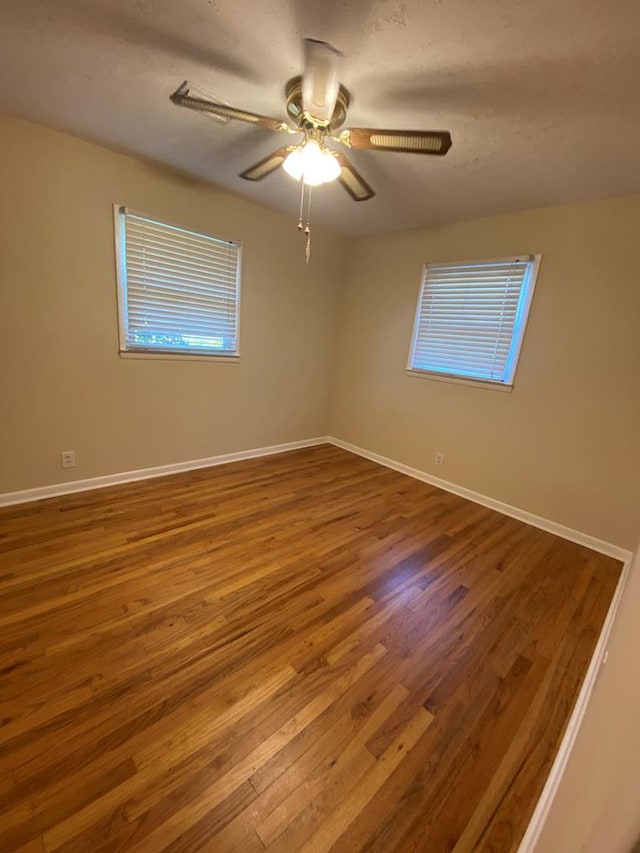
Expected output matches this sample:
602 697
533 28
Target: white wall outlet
439 459
68 459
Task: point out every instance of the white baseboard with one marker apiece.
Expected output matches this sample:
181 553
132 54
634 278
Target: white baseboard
26 495
532 834
585 539
541 812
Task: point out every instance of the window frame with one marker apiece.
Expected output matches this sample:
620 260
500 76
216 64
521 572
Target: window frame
519 329
119 225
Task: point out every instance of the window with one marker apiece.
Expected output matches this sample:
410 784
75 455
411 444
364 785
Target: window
177 290
471 317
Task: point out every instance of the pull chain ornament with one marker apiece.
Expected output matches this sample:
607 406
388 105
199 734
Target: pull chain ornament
307 245
305 227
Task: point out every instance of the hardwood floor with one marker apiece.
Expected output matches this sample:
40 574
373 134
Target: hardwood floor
300 652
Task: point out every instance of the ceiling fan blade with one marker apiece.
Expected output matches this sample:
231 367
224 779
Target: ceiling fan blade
266 166
352 180
182 98
407 141
320 81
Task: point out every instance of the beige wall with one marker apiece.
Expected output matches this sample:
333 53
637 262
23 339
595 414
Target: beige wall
564 443
63 386
597 806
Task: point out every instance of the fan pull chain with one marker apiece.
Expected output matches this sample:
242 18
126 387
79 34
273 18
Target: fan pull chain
303 226
300 223
307 230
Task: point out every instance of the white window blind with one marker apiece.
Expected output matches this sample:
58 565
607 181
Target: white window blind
470 318
178 289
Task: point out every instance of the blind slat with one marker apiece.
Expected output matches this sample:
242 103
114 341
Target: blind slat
177 323
168 326
166 257
175 297
485 278
183 282
164 232
470 351
141 317
150 225
454 318
479 355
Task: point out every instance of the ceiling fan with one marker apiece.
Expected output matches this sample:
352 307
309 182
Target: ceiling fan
317 107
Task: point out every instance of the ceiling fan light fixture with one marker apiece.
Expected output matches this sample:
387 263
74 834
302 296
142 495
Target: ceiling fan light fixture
313 164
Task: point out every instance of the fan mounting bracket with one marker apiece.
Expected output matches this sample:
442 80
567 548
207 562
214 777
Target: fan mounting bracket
293 93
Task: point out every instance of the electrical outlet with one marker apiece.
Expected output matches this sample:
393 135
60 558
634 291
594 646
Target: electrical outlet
439 459
68 459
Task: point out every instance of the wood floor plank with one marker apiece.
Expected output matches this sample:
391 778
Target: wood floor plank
299 652
313 772
337 822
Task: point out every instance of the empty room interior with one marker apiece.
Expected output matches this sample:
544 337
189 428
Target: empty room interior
320 459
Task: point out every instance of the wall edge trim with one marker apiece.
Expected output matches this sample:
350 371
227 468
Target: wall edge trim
57 489
595 544
545 801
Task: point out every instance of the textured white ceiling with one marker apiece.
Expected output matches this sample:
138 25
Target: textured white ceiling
542 97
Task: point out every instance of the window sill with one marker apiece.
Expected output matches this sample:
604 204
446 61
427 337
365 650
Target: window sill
179 356
458 380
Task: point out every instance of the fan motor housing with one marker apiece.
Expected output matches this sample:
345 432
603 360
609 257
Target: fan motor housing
293 92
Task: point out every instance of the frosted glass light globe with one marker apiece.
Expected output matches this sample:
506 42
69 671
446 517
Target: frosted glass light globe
315 165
